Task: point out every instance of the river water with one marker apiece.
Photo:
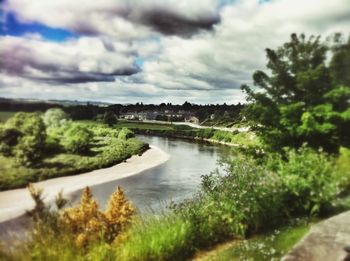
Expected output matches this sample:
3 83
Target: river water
174 180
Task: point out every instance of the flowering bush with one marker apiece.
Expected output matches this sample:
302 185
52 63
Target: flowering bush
88 223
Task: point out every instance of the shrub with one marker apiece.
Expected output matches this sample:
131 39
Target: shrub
55 117
8 139
110 118
125 134
309 181
77 138
29 134
87 223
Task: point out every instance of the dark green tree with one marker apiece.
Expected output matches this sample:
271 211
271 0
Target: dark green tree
30 135
300 100
110 118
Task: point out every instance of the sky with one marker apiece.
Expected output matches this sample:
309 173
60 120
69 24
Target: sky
150 51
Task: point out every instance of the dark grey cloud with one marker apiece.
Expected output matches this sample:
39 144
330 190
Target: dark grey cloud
20 60
168 22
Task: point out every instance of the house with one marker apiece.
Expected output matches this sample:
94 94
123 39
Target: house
192 119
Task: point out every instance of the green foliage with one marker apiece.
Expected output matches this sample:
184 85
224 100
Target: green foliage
340 62
105 149
309 181
258 195
23 136
8 139
125 134
342 166
109 118
55 117
77 138
302 99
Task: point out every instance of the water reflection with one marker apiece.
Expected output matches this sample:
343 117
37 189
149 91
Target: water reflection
174 180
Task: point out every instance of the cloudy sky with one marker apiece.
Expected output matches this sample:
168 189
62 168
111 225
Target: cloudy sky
126 51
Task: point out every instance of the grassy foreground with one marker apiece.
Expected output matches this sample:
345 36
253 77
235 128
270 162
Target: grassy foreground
251 197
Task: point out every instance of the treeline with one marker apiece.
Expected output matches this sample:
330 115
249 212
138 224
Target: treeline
221 112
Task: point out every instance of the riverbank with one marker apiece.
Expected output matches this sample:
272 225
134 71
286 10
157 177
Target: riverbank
14 203
238 137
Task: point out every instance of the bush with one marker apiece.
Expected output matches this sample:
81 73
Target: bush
309 181
255 195
27 137
8 139
125 134
55 117
77 139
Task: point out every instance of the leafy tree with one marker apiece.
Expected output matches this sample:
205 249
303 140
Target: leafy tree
77 139
8 139
299 100
110 118
31 140
55 117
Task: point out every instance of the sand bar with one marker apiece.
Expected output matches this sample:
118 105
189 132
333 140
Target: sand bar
14 203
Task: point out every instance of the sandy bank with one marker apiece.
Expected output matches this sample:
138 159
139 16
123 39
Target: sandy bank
14 203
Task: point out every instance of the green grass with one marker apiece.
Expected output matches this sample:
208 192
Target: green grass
5 115
271 246
158 238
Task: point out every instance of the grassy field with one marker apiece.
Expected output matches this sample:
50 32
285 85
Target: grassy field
5 115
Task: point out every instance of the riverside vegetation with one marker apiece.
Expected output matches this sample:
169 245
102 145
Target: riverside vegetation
302 172
36 146
243 139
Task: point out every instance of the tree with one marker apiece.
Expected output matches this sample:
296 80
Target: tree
8 140
77 138
88 223
119 213
31 136
55 117
300 100
110 118
85 221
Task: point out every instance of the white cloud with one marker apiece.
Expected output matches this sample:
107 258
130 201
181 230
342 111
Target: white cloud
208 66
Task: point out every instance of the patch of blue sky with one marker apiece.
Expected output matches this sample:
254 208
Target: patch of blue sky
14 27
139 62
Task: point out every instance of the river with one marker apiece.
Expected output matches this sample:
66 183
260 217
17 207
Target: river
174 180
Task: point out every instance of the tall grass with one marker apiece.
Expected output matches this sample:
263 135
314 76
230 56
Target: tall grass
157 238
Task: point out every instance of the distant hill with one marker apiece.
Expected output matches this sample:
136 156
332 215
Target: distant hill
60 102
